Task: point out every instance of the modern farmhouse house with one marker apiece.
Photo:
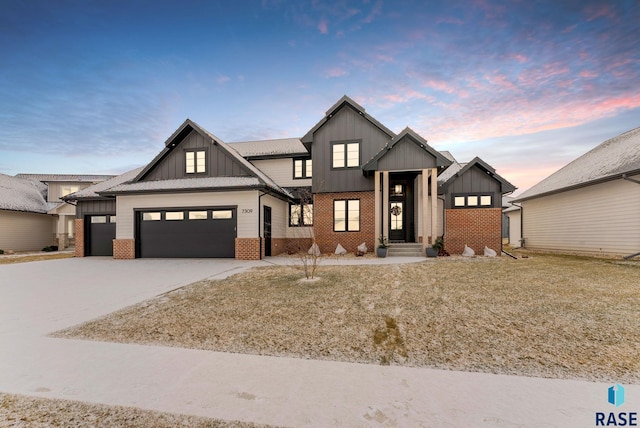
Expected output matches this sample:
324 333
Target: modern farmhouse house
348 180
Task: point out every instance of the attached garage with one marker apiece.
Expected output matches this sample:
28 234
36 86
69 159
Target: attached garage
187 233
99 235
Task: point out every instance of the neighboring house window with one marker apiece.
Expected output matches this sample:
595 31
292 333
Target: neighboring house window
300 215
195 162
346 215
345 155
302 168
472 201
67 190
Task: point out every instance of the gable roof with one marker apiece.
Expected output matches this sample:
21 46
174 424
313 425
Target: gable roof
265 149
415 138
80 178
17 194
344 101
456 170
92 192
174 140
608 161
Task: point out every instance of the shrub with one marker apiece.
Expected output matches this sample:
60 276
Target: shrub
1 251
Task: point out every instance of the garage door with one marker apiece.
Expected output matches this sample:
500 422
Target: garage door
101 231
187 233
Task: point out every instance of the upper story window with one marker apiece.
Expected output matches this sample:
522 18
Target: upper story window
67 190
302 168
473 201
195 162
345 155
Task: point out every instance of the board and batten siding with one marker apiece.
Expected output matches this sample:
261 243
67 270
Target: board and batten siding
218 163
100 206
345 126
281 171
246 202
22 231
406 155
599 219
475 180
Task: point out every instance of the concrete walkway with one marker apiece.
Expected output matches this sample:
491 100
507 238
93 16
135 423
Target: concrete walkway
40 297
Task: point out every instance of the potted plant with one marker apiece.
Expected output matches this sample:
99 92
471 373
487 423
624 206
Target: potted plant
434 249
383 247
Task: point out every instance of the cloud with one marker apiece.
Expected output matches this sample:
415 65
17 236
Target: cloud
335 72
323 26
221 80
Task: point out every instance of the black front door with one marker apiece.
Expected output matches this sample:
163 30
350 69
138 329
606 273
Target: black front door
267 231
401 209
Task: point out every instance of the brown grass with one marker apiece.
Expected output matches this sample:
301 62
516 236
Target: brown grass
34 258
549 316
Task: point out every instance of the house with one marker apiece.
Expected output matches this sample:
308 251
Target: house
347 181
58 186
589 206
24 222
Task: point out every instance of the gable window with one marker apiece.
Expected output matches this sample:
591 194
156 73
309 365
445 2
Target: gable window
473 201
346 215
195 162
302 168
300 215
345 155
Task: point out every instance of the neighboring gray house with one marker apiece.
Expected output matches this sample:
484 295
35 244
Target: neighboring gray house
590 206
24 222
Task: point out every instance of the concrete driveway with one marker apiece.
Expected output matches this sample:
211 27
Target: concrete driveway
41 297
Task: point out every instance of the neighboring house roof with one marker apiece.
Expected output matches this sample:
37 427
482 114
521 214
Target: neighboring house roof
187 126
344 101
456 170
17 194
92 192
270 148
81 178
608 161
413 137
447 154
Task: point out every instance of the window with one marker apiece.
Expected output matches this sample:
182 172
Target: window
472 201
302 168
197 215
300 215
67 190
151 216
112 219
346 215
178 215
222 214
345 155
195 162
96 219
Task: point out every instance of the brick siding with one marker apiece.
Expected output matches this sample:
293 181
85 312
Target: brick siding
124 249
79 232
327 239
248 248
476 227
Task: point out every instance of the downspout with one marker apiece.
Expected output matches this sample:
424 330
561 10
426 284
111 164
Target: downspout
260 232
626 177
444 217
382 206
521 223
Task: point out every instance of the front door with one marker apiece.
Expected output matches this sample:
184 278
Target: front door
267 231
397 211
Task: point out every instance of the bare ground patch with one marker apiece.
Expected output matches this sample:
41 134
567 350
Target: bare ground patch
548 316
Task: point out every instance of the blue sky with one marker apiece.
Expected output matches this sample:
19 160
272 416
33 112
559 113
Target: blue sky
98 86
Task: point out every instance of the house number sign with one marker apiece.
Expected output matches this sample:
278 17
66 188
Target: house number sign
247 210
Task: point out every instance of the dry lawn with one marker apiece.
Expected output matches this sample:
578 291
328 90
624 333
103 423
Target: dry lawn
548 316
8 259
34 412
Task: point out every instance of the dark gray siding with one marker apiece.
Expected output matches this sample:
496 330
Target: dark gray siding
475 180
404 155
95 207
346 125
219 163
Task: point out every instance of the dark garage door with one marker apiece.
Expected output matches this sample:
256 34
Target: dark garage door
187 233
101 233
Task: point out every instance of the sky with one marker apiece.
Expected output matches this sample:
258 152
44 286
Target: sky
96 87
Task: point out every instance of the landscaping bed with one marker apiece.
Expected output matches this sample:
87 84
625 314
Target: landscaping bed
545 316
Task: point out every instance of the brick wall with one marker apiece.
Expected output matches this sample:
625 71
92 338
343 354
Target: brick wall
79 232
124 249
326 238
248 248
474 227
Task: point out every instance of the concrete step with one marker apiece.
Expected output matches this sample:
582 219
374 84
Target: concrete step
405 250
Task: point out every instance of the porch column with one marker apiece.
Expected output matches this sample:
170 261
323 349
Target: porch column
378 206
385 204
425 209
434 204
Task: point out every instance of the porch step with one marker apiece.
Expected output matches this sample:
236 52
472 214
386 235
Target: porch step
405 250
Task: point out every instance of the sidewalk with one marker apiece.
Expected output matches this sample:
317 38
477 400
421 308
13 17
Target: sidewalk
269 390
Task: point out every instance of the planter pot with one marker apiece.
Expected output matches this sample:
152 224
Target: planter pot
382 252
432 252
